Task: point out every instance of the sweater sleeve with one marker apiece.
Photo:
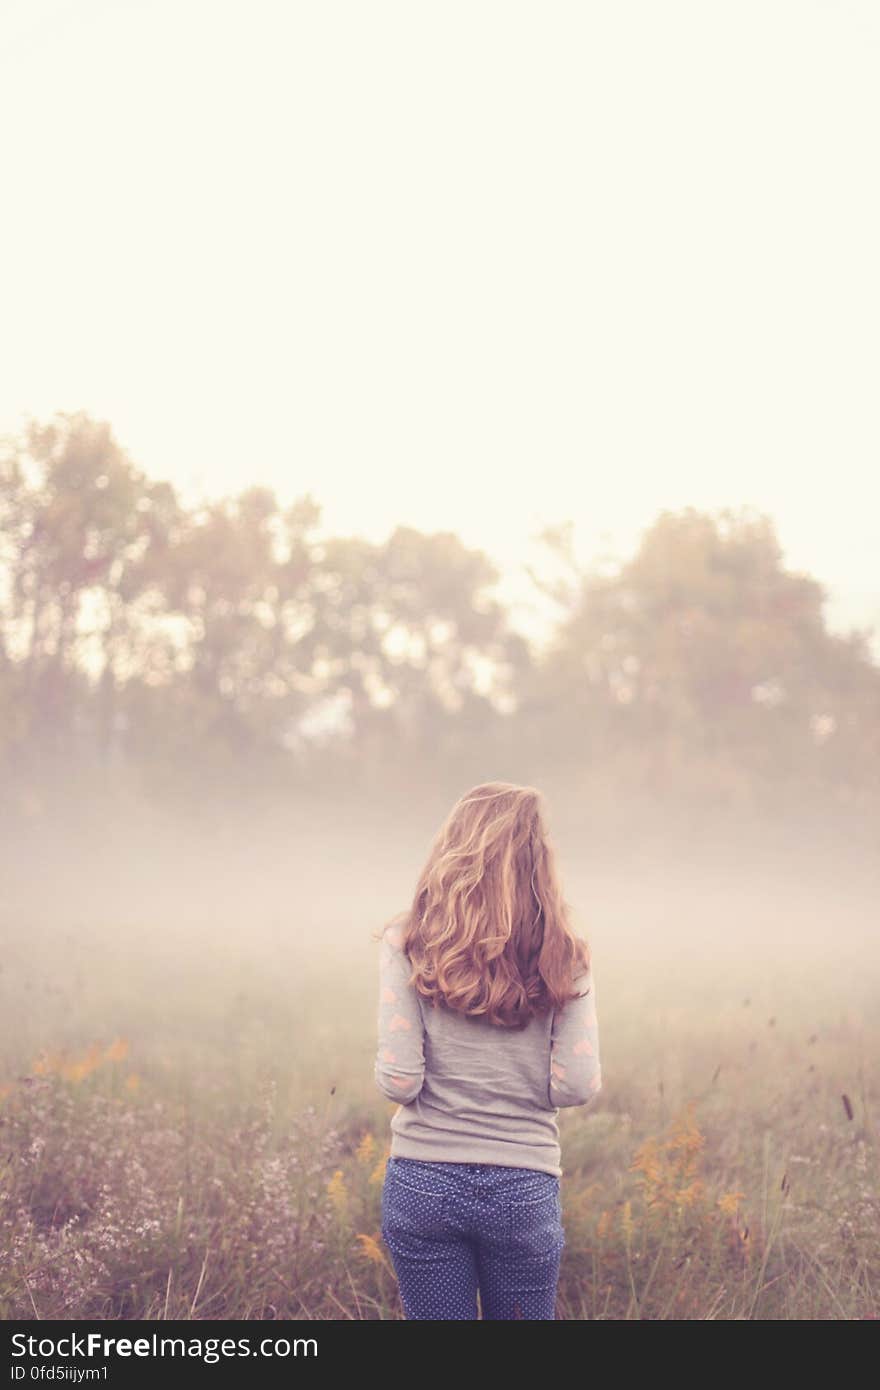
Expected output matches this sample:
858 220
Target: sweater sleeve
575 1071
400 1058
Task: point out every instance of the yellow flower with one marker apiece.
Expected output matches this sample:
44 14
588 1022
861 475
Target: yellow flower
117 1050
371 1249
366 1148
668 1168
729 1202
378 1173
626 1221
338 1192
81 1067
690 1195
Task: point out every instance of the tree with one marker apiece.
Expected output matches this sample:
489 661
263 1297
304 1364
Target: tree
703 650
78 524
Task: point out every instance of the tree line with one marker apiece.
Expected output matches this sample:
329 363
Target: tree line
139 633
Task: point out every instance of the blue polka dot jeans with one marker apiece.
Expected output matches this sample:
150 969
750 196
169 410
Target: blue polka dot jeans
456 1230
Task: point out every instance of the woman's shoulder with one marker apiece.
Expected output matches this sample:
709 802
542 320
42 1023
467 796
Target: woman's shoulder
582 979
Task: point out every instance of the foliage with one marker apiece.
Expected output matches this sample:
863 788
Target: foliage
137 633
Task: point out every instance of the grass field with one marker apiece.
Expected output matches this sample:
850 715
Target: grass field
189 1126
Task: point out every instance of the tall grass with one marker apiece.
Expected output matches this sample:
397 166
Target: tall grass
210 1144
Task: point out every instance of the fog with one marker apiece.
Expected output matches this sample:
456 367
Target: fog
153 923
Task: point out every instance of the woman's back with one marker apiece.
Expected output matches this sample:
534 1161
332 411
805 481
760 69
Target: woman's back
471 1091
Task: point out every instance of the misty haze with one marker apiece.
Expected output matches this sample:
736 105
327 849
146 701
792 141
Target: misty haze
380 429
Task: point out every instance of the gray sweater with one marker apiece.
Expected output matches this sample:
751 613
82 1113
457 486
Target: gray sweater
471 1092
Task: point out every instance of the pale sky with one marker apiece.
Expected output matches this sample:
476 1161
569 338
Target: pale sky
473 266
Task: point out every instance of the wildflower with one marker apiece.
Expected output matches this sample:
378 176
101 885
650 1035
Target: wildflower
371 1249
626 1221
366 1148
729 1202
338 1192
378 1174
81 1067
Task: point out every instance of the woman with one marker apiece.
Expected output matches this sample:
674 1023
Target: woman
487 1026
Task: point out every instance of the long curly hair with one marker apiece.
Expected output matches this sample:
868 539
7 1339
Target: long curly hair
488 931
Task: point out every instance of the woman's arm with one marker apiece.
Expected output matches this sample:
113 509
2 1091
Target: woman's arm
400 1059
575 1071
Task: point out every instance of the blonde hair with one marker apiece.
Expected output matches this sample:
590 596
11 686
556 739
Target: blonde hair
488 931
